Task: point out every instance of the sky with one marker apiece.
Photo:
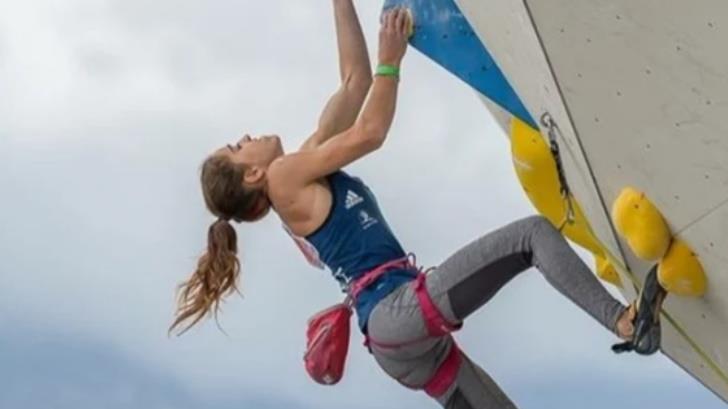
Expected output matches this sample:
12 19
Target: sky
108 108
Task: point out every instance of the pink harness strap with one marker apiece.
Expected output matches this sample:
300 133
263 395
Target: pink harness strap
437 325
446 374
369 277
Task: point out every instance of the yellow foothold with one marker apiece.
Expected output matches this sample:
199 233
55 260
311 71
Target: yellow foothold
607 272
641 224
680 272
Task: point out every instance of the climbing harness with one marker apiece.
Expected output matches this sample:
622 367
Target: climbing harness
328 332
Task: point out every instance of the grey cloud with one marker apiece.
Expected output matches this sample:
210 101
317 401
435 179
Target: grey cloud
598 392
3 47
57 369
199 42
100 63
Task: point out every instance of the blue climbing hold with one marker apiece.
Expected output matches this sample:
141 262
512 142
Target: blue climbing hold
444 34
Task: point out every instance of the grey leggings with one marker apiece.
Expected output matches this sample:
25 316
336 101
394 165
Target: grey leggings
461 285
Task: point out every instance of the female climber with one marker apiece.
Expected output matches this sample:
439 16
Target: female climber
406 315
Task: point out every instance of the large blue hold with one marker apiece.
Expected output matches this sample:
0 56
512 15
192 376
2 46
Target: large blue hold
443 33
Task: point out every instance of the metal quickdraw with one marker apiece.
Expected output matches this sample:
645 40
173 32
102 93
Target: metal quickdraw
552 128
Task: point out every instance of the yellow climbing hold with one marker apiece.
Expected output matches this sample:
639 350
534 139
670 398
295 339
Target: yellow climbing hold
606 271
410 23
641 224
536 170
680 272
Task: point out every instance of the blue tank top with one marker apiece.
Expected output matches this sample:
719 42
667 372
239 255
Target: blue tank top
353 240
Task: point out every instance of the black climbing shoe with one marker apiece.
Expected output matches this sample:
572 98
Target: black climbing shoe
647 333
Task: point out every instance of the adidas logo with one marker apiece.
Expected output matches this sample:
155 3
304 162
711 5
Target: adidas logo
352 199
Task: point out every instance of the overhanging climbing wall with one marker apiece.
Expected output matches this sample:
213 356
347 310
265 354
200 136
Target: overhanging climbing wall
640 93
646 88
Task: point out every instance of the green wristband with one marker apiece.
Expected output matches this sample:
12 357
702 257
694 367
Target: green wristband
387 70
